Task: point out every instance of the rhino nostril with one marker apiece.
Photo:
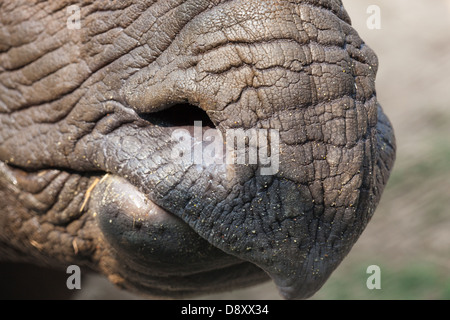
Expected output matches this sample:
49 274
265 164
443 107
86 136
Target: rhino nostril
179 115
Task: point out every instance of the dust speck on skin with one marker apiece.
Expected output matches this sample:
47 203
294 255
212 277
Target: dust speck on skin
75 246
35 244
88 193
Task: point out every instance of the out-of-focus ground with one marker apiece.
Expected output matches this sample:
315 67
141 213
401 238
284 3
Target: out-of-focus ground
409 235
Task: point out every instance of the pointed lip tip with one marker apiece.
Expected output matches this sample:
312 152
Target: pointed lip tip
288 292
294 289
287 288
294 292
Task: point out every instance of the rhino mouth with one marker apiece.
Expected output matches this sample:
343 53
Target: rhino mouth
188 227
209 225
160 234
182 115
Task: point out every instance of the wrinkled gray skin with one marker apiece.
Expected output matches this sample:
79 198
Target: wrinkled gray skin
86 174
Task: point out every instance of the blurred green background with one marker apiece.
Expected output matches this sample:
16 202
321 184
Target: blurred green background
409 235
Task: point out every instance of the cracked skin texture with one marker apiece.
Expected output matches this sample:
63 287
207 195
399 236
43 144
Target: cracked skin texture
86 176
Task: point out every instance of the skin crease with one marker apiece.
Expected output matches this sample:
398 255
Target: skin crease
86 174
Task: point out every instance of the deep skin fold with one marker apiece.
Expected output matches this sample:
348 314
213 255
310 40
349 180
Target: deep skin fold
71 101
